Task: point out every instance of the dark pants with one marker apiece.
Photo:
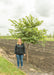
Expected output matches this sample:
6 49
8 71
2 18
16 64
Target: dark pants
19 57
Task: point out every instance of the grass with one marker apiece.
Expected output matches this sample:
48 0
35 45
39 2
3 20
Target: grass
10 37
6 37
7 68
49 39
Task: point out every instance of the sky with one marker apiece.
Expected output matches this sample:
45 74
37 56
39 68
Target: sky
15 9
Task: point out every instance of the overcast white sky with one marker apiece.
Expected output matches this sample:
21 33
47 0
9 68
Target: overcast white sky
14 9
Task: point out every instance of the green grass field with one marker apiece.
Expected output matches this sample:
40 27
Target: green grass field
6 37
7 68
10 37
49 39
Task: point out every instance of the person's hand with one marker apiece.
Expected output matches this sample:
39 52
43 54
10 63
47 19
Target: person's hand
24 54
14 55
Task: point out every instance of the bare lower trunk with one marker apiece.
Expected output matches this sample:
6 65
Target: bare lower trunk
27 53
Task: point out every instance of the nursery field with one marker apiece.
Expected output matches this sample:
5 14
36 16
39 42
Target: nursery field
41 59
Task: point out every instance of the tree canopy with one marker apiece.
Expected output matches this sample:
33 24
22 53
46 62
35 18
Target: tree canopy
27 29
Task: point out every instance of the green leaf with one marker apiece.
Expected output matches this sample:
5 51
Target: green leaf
27 29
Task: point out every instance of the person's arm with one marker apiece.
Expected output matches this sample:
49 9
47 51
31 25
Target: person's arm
15 50
24 49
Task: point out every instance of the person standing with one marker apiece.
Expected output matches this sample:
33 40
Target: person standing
19 52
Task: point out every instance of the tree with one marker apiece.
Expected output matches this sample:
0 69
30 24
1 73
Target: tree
0 34
7 34
27 29
50 35
53 34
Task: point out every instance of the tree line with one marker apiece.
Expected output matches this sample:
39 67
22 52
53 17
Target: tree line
50 35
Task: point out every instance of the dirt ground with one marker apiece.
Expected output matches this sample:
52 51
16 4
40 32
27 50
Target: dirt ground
44 61
43 64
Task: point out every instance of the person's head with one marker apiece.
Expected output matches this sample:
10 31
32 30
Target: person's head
19 40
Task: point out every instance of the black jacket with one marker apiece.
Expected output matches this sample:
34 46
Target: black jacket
19 49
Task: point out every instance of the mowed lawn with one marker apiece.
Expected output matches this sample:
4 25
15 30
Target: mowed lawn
7 68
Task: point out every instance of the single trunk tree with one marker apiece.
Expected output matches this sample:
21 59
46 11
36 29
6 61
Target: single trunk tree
27 29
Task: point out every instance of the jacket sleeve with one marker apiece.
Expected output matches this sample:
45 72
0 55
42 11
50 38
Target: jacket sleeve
15 49
24 49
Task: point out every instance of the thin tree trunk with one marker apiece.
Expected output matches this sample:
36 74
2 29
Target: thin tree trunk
27 53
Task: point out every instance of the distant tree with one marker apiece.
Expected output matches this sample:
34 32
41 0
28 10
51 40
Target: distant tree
27 29
50 35
53 34
0 34
7 34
